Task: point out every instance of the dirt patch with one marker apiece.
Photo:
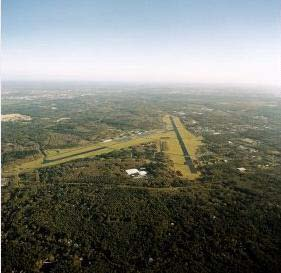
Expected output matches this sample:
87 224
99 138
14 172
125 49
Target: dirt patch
15 117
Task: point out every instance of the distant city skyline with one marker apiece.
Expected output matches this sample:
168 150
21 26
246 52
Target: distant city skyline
202 41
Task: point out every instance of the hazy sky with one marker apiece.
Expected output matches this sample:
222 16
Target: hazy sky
235 41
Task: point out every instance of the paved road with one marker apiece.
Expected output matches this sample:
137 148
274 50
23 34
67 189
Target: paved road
81 153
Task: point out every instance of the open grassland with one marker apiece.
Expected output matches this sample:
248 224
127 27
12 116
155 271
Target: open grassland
173 150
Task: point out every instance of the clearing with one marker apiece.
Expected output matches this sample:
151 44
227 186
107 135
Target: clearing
15 117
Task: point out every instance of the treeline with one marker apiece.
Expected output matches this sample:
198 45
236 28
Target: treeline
14 155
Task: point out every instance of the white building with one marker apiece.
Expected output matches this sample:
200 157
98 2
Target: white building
132 171
136 172
142 173
241 170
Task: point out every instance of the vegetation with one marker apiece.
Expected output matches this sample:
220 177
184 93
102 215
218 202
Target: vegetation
88 215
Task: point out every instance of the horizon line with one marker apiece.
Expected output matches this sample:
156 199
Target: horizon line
144 82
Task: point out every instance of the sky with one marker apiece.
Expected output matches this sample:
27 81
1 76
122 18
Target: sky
198 41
